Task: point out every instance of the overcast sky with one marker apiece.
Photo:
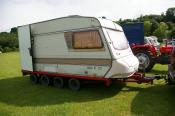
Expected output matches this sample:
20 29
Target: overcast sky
19 12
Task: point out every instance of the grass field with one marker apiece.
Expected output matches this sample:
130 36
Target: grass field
19 97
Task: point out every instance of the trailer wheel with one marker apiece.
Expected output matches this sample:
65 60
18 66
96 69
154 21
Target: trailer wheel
74 84
58 82
146 62
34 78
45 80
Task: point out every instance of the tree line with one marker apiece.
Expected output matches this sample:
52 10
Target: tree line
9 41
162 26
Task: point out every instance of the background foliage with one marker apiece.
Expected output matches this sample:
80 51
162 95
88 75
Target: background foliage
9 41
162 26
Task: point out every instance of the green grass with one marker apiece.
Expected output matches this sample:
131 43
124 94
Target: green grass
19 97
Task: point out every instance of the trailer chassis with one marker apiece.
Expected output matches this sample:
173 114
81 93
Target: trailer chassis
136 77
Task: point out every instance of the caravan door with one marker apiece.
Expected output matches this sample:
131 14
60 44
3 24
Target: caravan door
25 47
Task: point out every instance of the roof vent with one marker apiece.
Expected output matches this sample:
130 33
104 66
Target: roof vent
103 17
74 16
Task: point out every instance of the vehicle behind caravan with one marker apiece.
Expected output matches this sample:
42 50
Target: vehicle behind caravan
152 40
75 48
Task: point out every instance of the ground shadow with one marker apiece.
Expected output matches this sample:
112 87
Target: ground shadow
157 100
19 91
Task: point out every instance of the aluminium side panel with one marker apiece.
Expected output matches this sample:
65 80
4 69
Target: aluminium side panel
25 47
51 53
54 46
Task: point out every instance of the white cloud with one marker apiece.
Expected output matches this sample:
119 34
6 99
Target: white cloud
19 12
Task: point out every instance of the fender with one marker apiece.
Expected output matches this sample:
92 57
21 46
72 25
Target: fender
149 48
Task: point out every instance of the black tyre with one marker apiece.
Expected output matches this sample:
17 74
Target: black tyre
74 84
58 82
34 78
45 80
146 62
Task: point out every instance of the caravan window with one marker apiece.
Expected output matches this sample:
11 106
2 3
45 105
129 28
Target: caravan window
87 40
118 39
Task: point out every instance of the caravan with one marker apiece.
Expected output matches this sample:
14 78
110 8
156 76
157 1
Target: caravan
75 48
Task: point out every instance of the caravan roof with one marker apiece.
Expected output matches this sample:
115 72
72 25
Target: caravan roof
71 23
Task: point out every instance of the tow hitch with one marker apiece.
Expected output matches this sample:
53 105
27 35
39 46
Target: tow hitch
141 78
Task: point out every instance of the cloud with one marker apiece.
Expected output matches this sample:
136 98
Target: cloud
20 12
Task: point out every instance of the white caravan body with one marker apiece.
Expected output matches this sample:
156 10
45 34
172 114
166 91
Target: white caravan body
76 45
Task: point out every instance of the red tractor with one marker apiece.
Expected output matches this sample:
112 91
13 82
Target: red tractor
147 54
168 47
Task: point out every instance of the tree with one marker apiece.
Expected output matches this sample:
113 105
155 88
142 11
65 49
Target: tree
8 40
161 31
170 25
121 22
141 18
13 30
170 15
158 18
168 34
154 26
173 33
147 28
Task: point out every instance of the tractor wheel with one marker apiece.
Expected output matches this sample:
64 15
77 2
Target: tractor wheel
74 84
146 62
